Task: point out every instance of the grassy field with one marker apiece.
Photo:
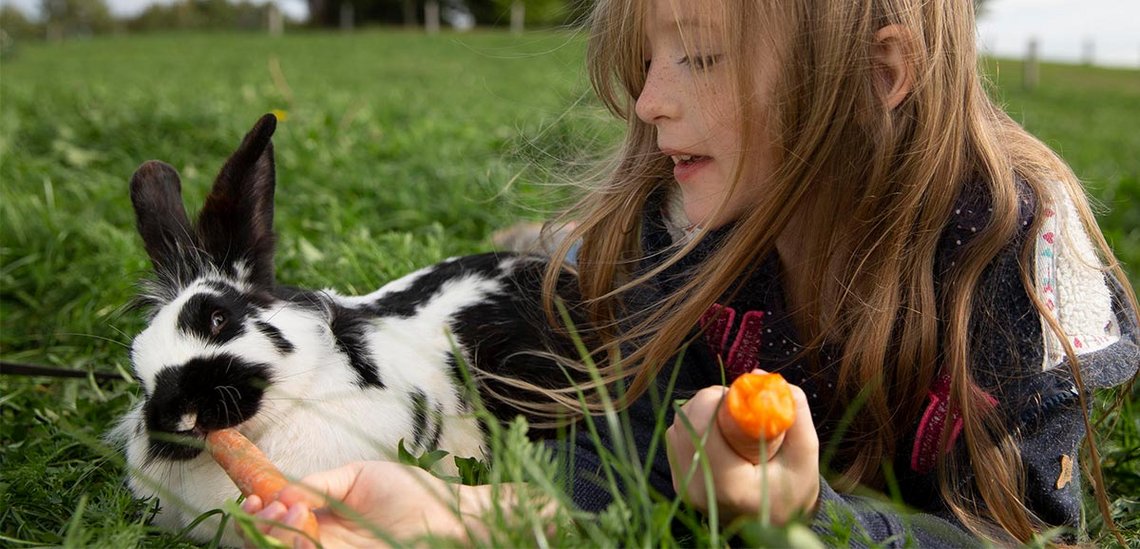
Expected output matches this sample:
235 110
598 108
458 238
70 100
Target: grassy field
396 150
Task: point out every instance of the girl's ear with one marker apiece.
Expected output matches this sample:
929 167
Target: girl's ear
893 69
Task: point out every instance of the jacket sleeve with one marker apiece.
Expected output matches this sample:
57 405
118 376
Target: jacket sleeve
1040 395
844 520
1022 365
1047 419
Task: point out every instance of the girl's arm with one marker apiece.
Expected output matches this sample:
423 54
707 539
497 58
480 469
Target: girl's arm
377 502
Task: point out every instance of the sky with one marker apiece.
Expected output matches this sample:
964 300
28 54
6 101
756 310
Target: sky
1062 28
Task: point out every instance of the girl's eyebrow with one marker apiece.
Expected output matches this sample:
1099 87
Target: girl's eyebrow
675 25
696 22
684 29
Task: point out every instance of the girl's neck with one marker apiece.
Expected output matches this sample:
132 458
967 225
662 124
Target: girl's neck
799 263
791 247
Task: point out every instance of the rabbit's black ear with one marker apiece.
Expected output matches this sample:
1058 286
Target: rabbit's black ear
156 194
236 223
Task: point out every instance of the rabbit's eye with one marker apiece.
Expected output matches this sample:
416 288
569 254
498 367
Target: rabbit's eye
217 321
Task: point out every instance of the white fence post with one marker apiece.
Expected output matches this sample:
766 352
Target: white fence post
1031 71
518 16
1088 51
276 20
431 17
347 16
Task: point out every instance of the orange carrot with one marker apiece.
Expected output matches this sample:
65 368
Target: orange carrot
251 471
756 406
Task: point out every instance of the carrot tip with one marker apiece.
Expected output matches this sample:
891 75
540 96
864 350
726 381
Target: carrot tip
757 406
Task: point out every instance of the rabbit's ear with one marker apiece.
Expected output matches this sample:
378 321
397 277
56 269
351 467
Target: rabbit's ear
156 194
236 223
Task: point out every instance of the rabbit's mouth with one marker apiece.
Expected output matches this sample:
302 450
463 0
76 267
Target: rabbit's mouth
177 445
203 395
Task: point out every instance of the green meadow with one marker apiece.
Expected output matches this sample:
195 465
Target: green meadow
395 150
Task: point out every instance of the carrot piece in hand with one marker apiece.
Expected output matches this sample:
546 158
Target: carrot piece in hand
250 470
756 406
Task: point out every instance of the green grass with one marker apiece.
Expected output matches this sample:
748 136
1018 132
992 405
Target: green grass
398 150
1089 115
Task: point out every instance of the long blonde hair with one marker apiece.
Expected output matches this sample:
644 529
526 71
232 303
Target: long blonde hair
894 174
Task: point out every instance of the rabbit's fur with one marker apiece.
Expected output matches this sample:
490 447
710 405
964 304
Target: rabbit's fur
314 378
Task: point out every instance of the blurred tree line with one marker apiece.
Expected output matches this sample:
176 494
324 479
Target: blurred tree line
201 14
75 18
66 18
327 13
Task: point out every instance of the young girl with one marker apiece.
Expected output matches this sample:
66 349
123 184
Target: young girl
823 189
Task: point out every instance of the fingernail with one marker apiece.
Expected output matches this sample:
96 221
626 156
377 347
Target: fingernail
250 504
275 508
295 513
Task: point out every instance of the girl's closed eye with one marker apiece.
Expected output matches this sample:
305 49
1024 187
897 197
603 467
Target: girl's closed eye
701 62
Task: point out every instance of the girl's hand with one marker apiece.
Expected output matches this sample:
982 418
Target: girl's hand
402 502
789 481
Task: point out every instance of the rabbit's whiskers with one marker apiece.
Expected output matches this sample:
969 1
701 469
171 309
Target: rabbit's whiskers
227 392
96 337
299 373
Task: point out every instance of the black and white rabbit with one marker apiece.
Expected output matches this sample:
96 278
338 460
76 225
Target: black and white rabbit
314 378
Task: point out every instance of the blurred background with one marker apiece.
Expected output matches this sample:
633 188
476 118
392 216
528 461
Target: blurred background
1101 32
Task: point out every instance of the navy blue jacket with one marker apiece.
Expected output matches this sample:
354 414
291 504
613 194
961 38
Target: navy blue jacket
754 329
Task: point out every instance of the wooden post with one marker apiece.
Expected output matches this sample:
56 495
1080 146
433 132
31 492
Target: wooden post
1088 51
53 32
347 16
518 16
1031 72
431 17
410 19
276 21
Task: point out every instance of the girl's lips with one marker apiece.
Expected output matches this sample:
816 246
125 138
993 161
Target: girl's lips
686 169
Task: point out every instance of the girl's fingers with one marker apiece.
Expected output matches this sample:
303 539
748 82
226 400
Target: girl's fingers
284 523
295 520
314 490
270 514
273 512
801 443
794 468
252 505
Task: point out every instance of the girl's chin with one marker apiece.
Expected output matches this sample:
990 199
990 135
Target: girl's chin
701 216
702 213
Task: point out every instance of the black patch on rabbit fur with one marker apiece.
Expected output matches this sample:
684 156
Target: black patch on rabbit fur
350 328
508 330
405 302
198 314
424 436
283 345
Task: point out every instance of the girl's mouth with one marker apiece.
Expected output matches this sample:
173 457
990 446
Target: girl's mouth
686 158
686 165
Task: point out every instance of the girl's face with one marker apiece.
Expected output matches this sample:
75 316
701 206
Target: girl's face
689 98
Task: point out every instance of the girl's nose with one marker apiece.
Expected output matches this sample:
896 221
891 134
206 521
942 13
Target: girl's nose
657 101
